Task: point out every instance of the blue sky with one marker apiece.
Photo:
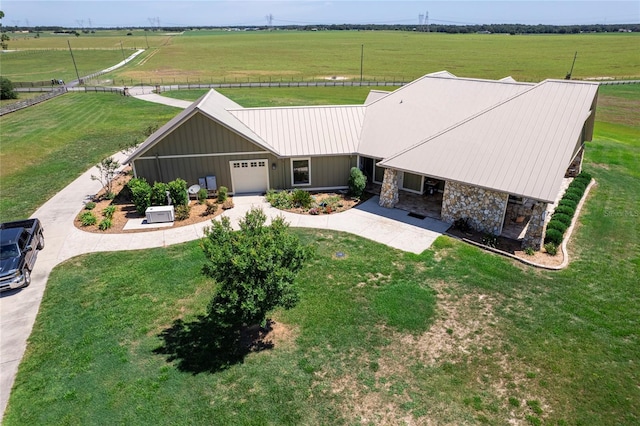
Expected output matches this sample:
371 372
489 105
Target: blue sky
107 13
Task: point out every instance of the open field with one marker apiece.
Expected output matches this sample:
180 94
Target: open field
46 147
206 56
452 336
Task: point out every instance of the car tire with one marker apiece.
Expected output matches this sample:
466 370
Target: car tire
41 242
27 277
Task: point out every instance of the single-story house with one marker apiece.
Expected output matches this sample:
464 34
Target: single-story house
486 148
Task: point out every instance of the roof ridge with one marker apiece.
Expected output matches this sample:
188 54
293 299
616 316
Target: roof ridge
296 107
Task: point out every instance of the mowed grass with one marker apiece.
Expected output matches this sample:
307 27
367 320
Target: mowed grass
452 336
47 146
295 55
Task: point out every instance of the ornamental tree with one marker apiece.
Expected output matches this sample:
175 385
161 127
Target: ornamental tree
254 268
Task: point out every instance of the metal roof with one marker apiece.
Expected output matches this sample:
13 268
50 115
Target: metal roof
521 146
425 107
301 131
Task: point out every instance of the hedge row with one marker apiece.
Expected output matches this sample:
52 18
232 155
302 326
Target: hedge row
563 215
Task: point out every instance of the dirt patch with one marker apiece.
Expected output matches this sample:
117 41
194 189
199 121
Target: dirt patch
330 202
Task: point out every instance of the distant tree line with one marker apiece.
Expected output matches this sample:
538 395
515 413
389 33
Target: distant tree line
436 28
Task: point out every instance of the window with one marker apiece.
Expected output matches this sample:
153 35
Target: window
301 171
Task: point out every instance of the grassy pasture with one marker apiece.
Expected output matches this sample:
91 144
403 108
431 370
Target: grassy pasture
493 342
210 56
46 146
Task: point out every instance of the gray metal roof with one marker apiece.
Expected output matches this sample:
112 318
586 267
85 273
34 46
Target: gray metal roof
301 131
425 107
521 146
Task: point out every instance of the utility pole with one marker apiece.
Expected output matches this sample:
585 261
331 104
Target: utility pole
361 60
427 20
74 62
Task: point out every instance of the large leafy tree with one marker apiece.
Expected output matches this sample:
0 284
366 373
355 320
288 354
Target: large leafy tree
254 267
6 89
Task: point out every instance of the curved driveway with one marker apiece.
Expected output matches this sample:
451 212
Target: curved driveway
18 309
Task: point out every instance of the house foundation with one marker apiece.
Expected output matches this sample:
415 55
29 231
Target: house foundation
389 190
484 208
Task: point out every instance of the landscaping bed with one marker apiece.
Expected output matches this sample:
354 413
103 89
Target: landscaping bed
125 210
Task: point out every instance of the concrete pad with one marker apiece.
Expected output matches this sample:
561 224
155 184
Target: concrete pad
141 224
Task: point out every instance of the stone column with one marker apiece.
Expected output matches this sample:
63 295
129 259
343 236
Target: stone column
389 190
534 235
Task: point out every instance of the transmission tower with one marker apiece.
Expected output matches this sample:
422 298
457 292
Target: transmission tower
269 19
420 21
427 20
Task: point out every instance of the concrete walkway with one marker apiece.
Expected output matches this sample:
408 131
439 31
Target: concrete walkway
19 308
146 94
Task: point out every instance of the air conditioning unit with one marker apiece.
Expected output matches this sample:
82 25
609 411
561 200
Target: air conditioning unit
160 214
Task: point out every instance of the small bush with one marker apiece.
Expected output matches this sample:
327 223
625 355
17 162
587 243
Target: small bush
565 210
228 204
105 224
279 199
202 195
178 192
562 218
557 225
574 191
529 251
140 194
568 203
90 205
553 236
301 198
223 194
584 176
182 212
357 182
490 240
159 194
109 211
572 196
88 219
578 185
462 224
211 209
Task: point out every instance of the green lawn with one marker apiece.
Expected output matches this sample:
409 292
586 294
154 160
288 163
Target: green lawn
47 146
452 336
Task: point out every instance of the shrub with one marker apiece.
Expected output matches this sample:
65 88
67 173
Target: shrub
202 195
88 219
159 194
109 211
553 236
140 194
557 225
565 210
357 182
107 169
105 224
562 218
279 199
90 205
228 204
6 87
211 209
578 185
182 212
574 191
529 251
223 193
572 196
568 203
301 198
584 176
490 240
462 224
178 192
551 248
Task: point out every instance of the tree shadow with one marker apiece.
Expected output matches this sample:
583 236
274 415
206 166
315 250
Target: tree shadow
202 346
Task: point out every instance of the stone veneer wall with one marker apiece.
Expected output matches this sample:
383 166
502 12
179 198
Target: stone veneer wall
484 208
534 234
575 167
389 190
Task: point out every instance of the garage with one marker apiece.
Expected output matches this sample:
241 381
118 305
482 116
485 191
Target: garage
249 176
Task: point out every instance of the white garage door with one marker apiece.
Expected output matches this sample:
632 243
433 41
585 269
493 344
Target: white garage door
249 176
